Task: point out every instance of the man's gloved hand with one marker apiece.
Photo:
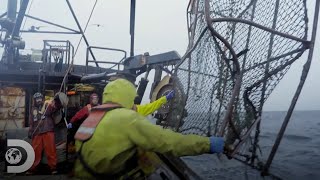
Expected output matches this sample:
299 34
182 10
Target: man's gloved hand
170 95
57 101
69 125
61 99
216 144
228 149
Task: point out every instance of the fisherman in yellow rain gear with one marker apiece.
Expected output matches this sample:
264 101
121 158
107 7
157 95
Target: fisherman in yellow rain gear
144 110
108 140
150 108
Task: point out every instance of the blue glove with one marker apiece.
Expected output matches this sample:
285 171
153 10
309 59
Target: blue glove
216 144
170 95
69 126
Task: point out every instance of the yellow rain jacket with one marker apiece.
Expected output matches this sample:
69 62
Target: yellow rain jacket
147 109
122 131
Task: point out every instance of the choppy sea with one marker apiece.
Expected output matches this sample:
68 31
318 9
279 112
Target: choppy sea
298 156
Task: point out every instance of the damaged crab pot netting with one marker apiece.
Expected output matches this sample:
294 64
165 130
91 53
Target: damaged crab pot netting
208 74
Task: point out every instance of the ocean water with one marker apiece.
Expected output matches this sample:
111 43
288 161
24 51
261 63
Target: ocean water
298 156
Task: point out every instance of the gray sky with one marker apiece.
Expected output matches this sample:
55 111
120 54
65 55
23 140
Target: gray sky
160 27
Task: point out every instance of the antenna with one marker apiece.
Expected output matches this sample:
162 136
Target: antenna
132 22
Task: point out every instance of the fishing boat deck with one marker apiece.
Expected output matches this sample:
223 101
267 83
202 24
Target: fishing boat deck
38 177
28 74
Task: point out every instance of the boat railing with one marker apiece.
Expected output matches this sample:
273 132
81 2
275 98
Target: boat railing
113 64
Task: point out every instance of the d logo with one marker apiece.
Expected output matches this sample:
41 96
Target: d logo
20 154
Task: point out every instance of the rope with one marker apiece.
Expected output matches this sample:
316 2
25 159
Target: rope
41 121
70 67
94 6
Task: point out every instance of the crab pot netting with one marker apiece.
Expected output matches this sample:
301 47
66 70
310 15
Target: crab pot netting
207 77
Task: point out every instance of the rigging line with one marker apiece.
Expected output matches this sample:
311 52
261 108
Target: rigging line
24 23
70 67
94 6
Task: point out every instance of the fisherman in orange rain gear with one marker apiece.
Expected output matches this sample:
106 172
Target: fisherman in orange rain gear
41 129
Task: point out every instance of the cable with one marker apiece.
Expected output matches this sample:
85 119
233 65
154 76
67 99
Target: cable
86 26
24 23
70 67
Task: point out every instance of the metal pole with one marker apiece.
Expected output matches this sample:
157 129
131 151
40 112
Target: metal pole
254 5
237 85
81 31
51 23
260 27
22 12
87 59
3 15
67 61
304 75
12 9
132 23
264 86
48 32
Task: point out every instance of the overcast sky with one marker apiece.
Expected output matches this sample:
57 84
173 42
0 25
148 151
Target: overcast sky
160 27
